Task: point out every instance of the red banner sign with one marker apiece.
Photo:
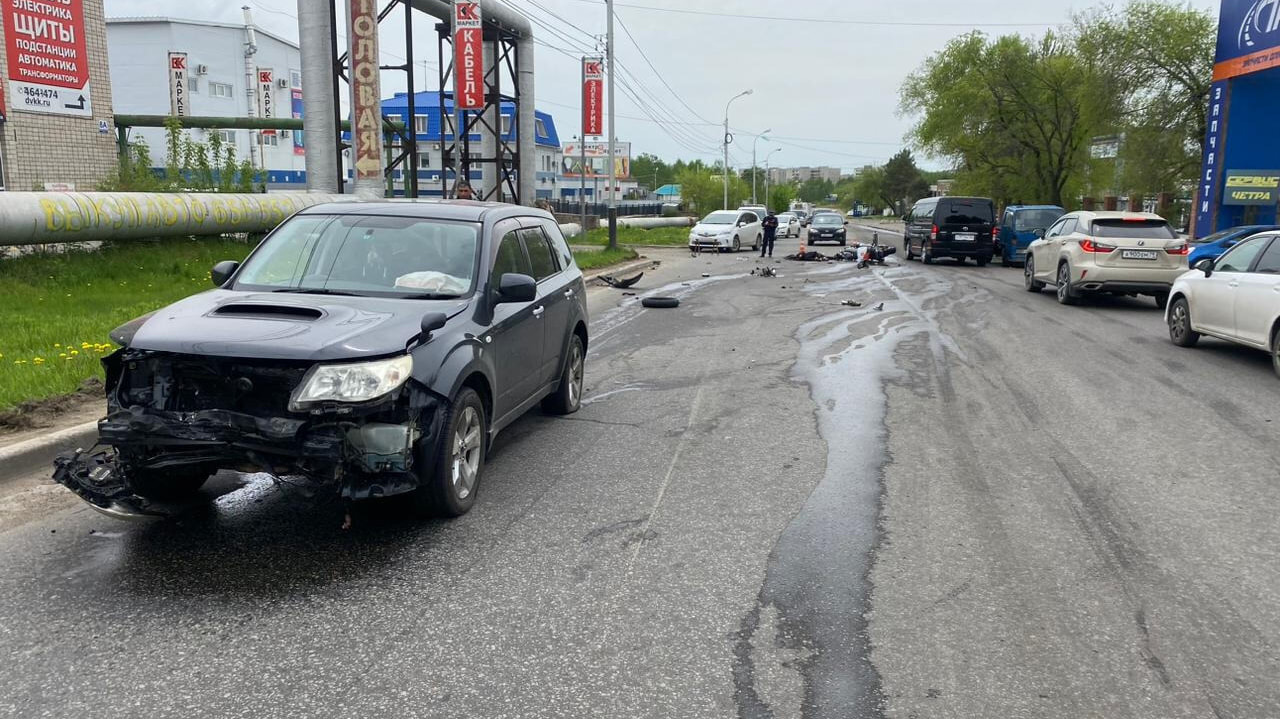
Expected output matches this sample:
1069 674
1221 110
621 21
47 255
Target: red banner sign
366 106
592 96
468 56
48 66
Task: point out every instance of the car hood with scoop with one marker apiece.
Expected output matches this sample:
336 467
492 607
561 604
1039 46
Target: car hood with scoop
292 327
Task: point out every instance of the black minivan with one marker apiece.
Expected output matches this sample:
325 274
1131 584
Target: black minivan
955 227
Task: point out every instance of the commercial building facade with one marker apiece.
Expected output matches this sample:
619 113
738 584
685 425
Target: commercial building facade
216 85
56 128
1239 181
800 175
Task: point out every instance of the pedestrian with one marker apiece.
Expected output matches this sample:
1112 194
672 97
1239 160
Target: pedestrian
770 226
464 192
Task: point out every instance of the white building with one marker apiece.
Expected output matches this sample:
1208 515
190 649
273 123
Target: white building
800 175
139 47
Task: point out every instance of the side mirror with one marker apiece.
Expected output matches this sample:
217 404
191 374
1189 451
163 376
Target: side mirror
1039 233
846 222
431 322
222 272
515 287
1205 266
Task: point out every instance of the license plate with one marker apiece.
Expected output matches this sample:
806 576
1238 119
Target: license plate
1139 254
965 237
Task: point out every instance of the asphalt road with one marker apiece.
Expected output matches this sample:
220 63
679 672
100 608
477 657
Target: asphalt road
970 503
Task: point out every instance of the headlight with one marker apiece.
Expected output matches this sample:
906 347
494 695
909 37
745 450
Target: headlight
356 382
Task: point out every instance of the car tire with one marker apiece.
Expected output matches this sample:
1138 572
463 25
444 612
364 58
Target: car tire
926 256
906 241
737 244
1162 300
567 398
759 241
1180 332
660 302
449 473
1275 352
983 261
167 485
1029 281
1066 295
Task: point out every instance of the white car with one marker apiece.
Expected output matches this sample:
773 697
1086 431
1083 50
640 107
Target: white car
727 230
788 225
1235 297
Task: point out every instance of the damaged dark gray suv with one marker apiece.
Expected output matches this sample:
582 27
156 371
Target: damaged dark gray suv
374 349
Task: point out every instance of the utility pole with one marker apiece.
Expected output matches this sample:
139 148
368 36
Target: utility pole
582 181
753 166
724 170
251 86
613 166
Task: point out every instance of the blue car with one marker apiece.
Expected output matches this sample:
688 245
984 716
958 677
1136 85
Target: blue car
1020 225
1211 247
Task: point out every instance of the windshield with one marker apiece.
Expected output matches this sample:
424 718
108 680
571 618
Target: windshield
720 218
828 220
1138 229
1035 219
363 255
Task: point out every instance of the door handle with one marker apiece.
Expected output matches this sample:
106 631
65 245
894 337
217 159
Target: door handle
569 293
539 311
1233 283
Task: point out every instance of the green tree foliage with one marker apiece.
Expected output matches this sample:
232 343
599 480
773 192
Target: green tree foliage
780 197
700 190
902 183
1016 115
646 166
190 166
815 190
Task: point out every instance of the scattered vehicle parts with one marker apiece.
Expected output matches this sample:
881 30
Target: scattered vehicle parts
660 302
621 283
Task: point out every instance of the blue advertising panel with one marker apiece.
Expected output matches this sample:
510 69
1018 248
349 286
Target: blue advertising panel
1248 37
1208 185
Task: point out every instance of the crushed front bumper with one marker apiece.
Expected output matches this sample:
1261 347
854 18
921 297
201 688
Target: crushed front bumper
157 426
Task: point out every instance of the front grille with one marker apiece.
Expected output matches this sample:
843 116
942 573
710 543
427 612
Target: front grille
189 383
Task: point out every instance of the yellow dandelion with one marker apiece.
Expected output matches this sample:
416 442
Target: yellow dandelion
55 344
75 352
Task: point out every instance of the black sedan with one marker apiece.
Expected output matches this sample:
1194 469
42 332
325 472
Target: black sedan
827 227
368 349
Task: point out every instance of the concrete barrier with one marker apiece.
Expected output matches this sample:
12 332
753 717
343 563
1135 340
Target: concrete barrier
33 218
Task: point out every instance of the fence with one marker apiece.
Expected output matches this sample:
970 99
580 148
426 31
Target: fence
600 209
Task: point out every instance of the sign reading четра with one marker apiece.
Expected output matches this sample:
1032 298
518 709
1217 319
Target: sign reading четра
1251 187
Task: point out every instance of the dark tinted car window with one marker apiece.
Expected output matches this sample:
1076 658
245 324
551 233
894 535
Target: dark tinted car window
1035 219
558 242
972 212
540 255
1270 260
510 258
1141 229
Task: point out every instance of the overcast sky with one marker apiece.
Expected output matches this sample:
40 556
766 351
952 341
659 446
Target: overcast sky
828 90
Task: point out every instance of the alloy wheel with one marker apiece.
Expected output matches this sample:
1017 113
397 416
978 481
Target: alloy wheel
1064 283
467 445
1178 322
576 373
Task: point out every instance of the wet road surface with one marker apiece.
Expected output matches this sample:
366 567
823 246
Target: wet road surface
972 502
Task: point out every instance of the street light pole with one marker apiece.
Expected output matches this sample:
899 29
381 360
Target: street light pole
767 173
753 166
724 171
613 166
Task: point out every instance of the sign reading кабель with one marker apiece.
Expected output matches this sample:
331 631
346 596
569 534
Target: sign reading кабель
48 66
1251 187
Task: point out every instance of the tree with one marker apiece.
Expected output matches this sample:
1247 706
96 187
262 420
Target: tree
1012 114
648 168
902 182
699 189
780 197
815 190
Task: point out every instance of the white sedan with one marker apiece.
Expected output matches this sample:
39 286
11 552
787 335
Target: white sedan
1235 298
788 225
727 230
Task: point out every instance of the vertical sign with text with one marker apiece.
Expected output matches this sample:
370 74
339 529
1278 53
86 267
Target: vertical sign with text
468 58
295 108
592 96
366 106
266 100
1207 187
48 65
178 84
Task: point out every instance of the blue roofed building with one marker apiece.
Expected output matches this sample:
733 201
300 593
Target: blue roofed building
433 132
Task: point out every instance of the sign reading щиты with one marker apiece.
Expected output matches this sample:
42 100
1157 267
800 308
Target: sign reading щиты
1252 187
48 66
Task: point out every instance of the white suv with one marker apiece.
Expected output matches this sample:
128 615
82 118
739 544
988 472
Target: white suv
1122 253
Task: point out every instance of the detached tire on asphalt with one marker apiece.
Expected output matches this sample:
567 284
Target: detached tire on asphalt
660 302
449 473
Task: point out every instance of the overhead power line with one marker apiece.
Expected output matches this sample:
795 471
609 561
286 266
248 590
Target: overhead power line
822 20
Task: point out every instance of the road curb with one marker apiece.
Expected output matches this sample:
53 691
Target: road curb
36 454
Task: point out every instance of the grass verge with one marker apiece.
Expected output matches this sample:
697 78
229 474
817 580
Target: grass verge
636 236
595 259
58 308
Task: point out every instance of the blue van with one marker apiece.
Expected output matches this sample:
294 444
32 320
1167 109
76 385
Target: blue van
1020 225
